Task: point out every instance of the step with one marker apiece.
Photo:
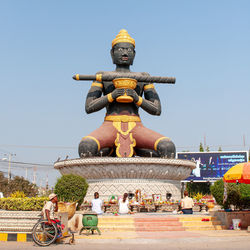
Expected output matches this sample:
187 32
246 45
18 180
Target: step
115 224
15 229
157 219
117 228
155 224
162 228
200 223
192 218
115 219
204 228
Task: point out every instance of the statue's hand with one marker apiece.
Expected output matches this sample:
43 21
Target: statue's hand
117 92
132 93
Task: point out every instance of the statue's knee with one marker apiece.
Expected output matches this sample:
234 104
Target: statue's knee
166 148
88 147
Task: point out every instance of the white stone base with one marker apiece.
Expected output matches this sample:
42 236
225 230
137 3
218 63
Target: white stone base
107 187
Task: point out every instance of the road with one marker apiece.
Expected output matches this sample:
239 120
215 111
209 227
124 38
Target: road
206 242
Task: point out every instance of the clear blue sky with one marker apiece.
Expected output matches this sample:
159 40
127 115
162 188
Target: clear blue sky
204 44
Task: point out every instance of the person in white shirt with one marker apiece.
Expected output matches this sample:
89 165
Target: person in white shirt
123 204
187 204
97 204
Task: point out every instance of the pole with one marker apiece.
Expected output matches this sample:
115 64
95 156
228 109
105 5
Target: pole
9 168
26 174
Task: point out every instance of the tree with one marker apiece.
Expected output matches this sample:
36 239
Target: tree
71 188
201 148
207 149
220 149
17 184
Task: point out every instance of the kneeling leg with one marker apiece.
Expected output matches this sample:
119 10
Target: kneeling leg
166 148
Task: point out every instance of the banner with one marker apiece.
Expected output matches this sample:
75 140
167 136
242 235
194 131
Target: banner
212 165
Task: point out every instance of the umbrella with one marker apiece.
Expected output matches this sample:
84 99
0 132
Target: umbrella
239 173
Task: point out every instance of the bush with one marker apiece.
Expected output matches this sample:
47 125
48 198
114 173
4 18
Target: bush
217 191
18 194
71 188
23 204
237 195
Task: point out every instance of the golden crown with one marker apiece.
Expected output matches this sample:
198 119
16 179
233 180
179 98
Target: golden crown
123 37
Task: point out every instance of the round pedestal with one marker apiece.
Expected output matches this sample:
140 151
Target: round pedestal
111 175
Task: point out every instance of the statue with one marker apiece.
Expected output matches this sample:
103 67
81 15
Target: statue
122 134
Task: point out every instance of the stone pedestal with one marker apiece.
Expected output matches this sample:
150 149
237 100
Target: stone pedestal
107 187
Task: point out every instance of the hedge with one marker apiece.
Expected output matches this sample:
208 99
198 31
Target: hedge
237 195
23 204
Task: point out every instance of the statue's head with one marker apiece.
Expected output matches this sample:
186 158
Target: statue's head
123 49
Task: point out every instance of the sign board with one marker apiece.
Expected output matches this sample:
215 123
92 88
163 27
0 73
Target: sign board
211 166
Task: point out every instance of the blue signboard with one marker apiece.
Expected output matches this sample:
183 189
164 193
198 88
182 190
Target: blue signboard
212 165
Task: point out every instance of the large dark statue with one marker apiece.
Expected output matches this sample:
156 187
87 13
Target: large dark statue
122 134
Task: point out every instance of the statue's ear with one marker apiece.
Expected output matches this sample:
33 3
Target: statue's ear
133 58
112 54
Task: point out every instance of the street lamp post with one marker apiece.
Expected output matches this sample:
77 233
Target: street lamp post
9 167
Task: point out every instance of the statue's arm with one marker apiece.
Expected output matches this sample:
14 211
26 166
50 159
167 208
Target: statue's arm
151 103
95 101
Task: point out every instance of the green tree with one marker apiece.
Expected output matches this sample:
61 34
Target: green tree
220 149
17 184
207 149
201 148
71 188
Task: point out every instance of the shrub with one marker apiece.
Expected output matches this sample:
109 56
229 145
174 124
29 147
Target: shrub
71 188
18 194
23 204
237 195
245 195
217 191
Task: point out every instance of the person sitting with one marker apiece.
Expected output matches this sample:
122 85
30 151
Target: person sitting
123 204
187 204
49 210
97 204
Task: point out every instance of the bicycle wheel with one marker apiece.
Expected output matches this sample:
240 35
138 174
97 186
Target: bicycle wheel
44 234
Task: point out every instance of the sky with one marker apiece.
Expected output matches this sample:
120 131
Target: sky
204 44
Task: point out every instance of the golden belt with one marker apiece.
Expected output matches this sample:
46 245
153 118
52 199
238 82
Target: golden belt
122 118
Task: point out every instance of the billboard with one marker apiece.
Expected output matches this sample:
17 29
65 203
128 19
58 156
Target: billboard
212 165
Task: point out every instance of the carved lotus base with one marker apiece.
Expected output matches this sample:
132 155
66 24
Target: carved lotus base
109 175
127 168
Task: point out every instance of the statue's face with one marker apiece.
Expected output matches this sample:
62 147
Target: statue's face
123 54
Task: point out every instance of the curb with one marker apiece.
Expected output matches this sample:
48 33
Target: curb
19 237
